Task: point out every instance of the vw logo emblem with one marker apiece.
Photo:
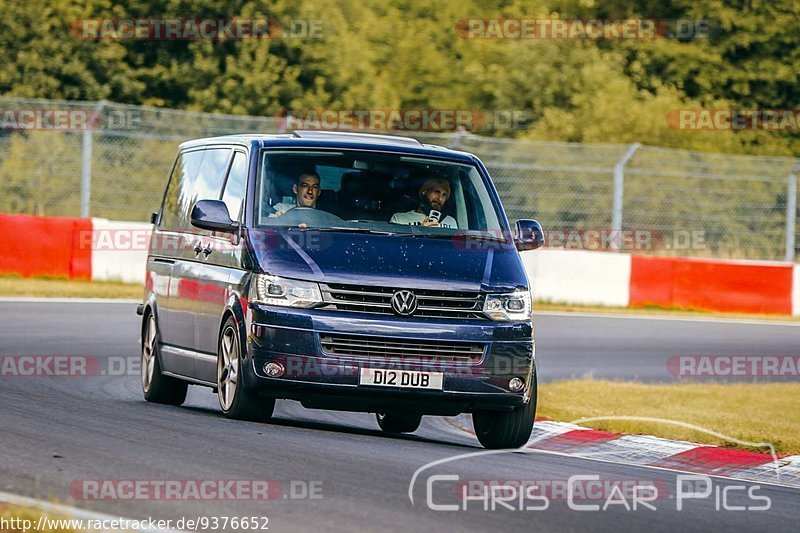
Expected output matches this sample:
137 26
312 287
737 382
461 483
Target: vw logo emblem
404 303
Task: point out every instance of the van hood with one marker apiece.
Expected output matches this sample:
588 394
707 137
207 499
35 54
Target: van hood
387 260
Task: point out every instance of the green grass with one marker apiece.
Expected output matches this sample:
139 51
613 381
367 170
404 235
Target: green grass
9 512
64 288
753 412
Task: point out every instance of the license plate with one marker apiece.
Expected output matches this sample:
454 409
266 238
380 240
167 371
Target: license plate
407 379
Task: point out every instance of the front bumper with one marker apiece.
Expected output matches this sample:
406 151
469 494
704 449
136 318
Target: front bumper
320 380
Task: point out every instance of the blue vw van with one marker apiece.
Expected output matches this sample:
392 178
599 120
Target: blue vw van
346 271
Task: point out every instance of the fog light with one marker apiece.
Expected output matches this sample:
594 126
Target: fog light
275 370
516 384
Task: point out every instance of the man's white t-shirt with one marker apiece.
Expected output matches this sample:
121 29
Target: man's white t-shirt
413 218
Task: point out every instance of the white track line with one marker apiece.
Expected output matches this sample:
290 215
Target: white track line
721 320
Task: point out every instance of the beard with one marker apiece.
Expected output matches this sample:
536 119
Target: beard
426 206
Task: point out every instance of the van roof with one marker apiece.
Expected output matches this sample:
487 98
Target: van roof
331 139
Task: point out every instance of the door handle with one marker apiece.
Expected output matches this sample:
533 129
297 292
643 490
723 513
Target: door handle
208 250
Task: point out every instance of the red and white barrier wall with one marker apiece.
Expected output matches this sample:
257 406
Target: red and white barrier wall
100 249
45 247
735 286
618 279
119 250
73 248
579 277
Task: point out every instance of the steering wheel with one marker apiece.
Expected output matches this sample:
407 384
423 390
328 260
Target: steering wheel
307 215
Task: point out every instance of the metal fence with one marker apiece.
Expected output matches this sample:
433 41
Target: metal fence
686 203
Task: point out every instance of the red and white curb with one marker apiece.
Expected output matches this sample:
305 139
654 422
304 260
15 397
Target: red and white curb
643 450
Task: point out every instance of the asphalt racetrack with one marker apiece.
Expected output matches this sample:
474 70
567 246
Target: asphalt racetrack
336 471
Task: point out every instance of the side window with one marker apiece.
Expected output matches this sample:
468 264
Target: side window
236 185
179 189
210 177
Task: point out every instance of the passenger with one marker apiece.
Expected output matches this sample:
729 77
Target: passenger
306 191
433 195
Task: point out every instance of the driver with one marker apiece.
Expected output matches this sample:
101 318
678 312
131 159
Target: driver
433 194
306 191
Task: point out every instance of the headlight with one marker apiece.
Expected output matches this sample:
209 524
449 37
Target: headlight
511 306
272 290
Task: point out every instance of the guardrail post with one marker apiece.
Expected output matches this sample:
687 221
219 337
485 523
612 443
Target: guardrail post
458 137
619 183
791 212
86 161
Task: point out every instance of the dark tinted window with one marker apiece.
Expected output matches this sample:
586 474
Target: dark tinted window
210 177
179 190
236 185
380 191
198 175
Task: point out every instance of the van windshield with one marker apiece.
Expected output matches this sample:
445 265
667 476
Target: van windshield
373 192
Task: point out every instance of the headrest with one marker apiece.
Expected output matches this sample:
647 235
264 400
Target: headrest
360 190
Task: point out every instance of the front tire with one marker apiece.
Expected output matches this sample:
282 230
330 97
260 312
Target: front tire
158 388
399 422
502 430
235 399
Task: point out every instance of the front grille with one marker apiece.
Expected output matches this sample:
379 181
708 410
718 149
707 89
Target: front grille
431 303
401 349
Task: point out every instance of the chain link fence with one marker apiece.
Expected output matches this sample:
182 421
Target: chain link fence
110 160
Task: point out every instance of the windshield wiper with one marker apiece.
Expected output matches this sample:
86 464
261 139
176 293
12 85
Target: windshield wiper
486 237
477 236
423 234
355 230
446 236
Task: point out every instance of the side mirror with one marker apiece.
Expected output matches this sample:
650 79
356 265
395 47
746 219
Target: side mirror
154 218
530 235
213 215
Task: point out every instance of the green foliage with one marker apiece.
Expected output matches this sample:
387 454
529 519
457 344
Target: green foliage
379 55
408 54
51 186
